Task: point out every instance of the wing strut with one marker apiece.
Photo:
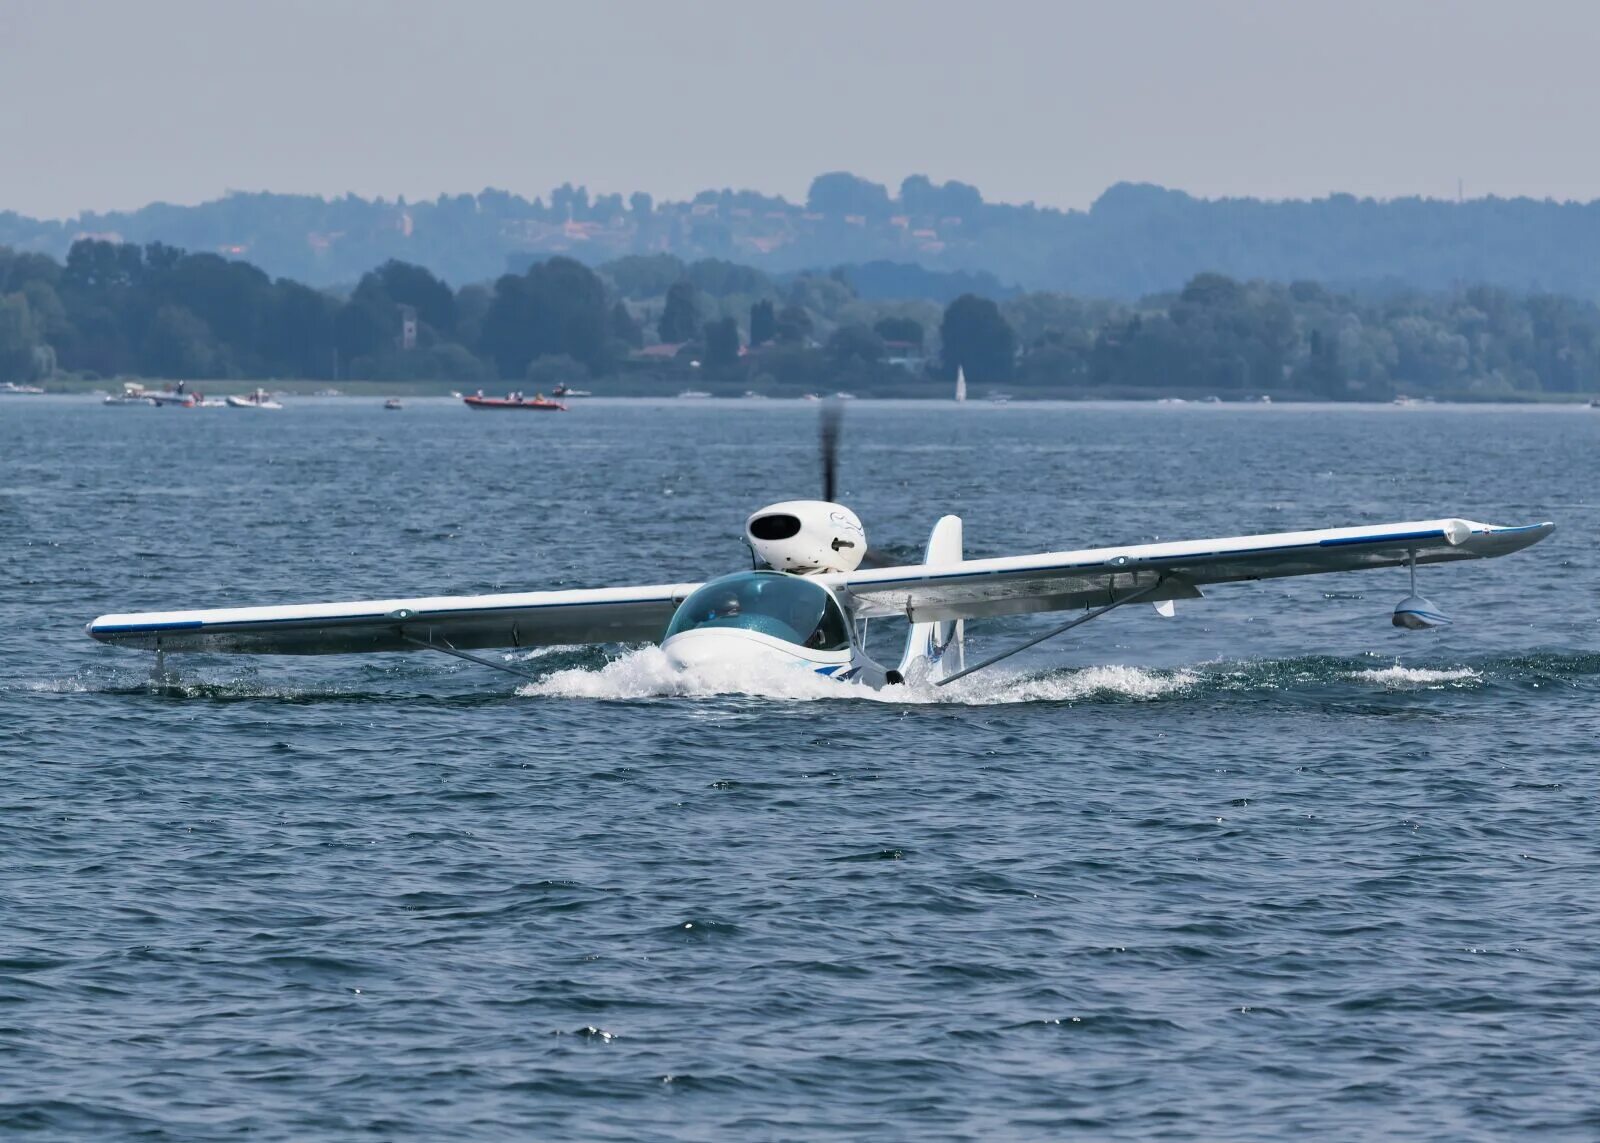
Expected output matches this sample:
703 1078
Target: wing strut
1052 633
446 649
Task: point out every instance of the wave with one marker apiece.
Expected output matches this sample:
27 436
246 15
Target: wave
1398 677
646 674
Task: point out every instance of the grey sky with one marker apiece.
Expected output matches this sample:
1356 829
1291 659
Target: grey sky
109 103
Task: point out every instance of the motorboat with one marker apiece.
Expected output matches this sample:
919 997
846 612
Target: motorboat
693 395
569 391
515 402
20 390
132 393
173 397
260 399
393 404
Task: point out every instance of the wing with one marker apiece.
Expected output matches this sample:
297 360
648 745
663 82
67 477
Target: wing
465 622
1057 581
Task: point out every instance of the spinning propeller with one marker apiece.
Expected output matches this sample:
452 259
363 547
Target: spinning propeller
829 428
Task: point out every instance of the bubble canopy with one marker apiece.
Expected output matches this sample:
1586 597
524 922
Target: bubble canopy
772 603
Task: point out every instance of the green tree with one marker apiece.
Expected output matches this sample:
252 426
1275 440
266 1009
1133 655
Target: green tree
902 329
180 345
853 345
558 306
680 317
722 344
402 284
976 338
794 325
763 323
624 327
19 340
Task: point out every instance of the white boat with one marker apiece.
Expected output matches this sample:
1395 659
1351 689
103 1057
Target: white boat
693 395
841 395
132 393
999 398
20 390
260 399
752 395
328 393
961 384
393 403
569 391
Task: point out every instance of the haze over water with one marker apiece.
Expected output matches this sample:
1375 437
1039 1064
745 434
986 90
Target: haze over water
1270 867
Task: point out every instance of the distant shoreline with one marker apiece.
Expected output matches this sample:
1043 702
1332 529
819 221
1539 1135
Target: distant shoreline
915 390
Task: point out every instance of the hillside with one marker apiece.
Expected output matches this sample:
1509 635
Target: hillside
1135 240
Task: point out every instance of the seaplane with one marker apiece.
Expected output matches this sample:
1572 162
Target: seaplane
814 587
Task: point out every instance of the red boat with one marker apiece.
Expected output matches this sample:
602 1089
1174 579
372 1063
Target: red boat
538 403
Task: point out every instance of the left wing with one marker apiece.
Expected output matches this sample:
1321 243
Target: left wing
464 622
1058 581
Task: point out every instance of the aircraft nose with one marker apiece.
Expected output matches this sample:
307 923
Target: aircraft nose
723 651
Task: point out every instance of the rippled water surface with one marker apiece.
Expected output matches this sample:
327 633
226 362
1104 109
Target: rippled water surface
1268 868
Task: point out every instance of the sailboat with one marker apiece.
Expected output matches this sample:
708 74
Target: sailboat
961 384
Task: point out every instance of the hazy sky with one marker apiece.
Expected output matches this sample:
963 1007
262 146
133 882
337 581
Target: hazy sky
114 103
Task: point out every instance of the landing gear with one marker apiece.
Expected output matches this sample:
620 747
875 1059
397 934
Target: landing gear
446 649
161 679
1132 597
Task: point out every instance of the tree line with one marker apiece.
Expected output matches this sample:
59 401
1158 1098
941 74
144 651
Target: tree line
115 309
1136 239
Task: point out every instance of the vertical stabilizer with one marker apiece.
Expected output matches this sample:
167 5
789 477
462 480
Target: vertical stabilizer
934 650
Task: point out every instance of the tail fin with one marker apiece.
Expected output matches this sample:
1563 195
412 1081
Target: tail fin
934 650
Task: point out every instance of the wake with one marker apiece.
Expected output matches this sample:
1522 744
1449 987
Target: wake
647 673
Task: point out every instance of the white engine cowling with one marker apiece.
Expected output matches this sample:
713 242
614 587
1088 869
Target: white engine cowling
808 537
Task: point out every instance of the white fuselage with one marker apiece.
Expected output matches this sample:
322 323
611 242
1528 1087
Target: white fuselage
735 651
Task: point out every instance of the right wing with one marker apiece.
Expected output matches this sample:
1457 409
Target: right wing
464 622
1061 581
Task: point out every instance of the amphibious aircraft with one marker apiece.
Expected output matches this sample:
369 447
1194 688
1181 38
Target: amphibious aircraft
808 603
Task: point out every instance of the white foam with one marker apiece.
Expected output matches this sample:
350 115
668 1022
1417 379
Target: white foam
53 686
647 673
532 653
1400 677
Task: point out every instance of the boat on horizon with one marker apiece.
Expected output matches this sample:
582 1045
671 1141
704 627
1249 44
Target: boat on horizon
515 402
175 397
693 395
393 403
20 390
569 391
260 399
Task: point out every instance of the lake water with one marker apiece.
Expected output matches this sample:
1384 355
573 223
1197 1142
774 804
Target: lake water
1268 868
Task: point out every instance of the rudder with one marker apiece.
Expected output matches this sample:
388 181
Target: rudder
935 650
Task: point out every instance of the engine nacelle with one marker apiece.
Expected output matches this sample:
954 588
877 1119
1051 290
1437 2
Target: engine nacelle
808 537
